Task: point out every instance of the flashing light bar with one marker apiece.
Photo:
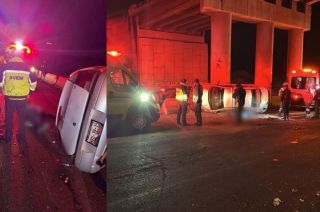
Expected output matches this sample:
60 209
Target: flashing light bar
294 71
19 47
309 70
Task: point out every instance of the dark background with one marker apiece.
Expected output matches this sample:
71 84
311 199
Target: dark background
64 35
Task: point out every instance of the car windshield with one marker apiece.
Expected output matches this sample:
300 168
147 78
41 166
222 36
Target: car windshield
121 80
302 82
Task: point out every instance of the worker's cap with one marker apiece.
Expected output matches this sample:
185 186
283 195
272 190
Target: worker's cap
183 81
285 84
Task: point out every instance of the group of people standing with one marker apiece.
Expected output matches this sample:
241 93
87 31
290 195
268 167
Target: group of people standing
182 97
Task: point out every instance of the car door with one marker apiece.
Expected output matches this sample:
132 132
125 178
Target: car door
121 88
75 111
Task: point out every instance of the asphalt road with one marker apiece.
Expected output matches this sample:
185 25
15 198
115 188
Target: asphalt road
266 164
39 176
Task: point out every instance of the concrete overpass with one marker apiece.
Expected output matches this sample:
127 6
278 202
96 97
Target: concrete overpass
169 37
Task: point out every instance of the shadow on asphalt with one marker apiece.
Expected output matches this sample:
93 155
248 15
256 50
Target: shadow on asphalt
122 129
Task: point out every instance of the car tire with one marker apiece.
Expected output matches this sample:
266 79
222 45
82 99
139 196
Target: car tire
138 121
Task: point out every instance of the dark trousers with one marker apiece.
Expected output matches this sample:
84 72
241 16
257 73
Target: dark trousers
182 113
197 112
239 113
10 107
286 108
316 108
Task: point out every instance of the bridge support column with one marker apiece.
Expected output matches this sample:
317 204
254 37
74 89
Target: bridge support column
264 54
295 49
220 47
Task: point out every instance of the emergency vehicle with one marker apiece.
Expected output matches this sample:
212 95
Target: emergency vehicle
128 101
303 84
81 118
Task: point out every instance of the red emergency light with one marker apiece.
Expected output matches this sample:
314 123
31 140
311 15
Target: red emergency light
114 53
20 47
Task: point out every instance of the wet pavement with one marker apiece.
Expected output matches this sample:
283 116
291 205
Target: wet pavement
38 176
265 164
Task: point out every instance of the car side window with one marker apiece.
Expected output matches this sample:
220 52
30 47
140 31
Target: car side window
122 81
116 77
86 79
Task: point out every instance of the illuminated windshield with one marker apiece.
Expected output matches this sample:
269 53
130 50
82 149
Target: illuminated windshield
302 82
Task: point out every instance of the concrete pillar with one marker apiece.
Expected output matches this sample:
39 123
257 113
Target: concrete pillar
220 47
295 49
264 54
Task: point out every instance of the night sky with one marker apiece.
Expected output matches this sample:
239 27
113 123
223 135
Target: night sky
64 35
243 46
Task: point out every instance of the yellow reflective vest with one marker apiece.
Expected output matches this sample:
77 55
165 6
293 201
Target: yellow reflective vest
16 79
181 94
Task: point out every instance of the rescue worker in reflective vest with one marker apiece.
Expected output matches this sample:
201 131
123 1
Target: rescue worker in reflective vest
240 95
197 99
317 102
285 100
182 97
16 81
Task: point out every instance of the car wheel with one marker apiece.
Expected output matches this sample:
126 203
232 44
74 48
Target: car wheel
138 121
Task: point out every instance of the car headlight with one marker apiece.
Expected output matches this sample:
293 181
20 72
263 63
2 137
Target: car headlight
144 97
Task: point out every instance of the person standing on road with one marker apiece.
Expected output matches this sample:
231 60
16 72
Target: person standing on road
197 98
280 108
317 102
240 95
285 100
16 81
182 97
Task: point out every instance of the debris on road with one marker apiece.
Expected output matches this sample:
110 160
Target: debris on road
294 142
276 201
64 178
318 194
275 159
53 142
294 190
301 200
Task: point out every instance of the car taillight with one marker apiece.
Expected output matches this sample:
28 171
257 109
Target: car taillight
94 133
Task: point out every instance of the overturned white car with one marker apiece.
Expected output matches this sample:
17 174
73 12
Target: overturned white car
219 97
